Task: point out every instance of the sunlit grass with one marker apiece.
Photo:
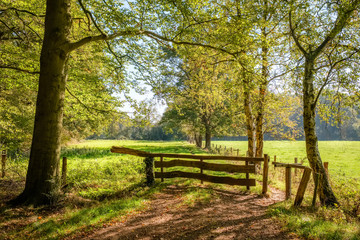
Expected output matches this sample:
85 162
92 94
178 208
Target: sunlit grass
104 187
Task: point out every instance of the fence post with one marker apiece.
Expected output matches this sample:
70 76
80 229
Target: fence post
237 152
3 162
265 173
302 187
295 170
149 170
201 170
231 151
247 174
64 171
288 182
162 168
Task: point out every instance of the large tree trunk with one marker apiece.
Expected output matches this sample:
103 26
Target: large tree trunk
41 180
325 192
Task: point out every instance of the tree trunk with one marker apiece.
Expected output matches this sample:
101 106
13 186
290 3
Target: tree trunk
325 192
207 137
261 101
42 183
198 140
250 121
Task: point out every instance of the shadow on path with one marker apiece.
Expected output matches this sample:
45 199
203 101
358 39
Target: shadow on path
230 216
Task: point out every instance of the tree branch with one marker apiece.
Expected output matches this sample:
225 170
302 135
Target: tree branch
326 82
339 25
20 69
89 109
21 10
75 45
293 35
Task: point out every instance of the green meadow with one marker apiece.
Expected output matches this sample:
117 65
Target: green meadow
104 187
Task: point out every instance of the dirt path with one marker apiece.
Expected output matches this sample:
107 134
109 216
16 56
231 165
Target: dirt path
230 216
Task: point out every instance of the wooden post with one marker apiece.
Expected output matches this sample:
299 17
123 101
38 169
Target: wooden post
326 166
274 158
162 168
231 151
247 175
295 170
149 170
288 182
316 176
64 171
237 152
265 173
201 170
3 162
302 187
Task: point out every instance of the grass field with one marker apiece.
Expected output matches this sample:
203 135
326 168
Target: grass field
105 187
343 156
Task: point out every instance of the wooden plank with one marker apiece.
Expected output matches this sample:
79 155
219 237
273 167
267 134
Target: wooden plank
265 173
187 156
302 187
206 166
292 165
207 178
130 151
288 182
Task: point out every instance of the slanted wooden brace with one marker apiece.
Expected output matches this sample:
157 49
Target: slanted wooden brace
303 183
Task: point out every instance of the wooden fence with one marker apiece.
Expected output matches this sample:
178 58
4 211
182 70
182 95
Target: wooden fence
197 161
226 151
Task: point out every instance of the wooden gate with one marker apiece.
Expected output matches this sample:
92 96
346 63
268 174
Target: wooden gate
198 161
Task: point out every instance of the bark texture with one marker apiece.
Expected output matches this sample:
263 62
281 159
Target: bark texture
42 181
250 120
207 137
325 191
262 92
